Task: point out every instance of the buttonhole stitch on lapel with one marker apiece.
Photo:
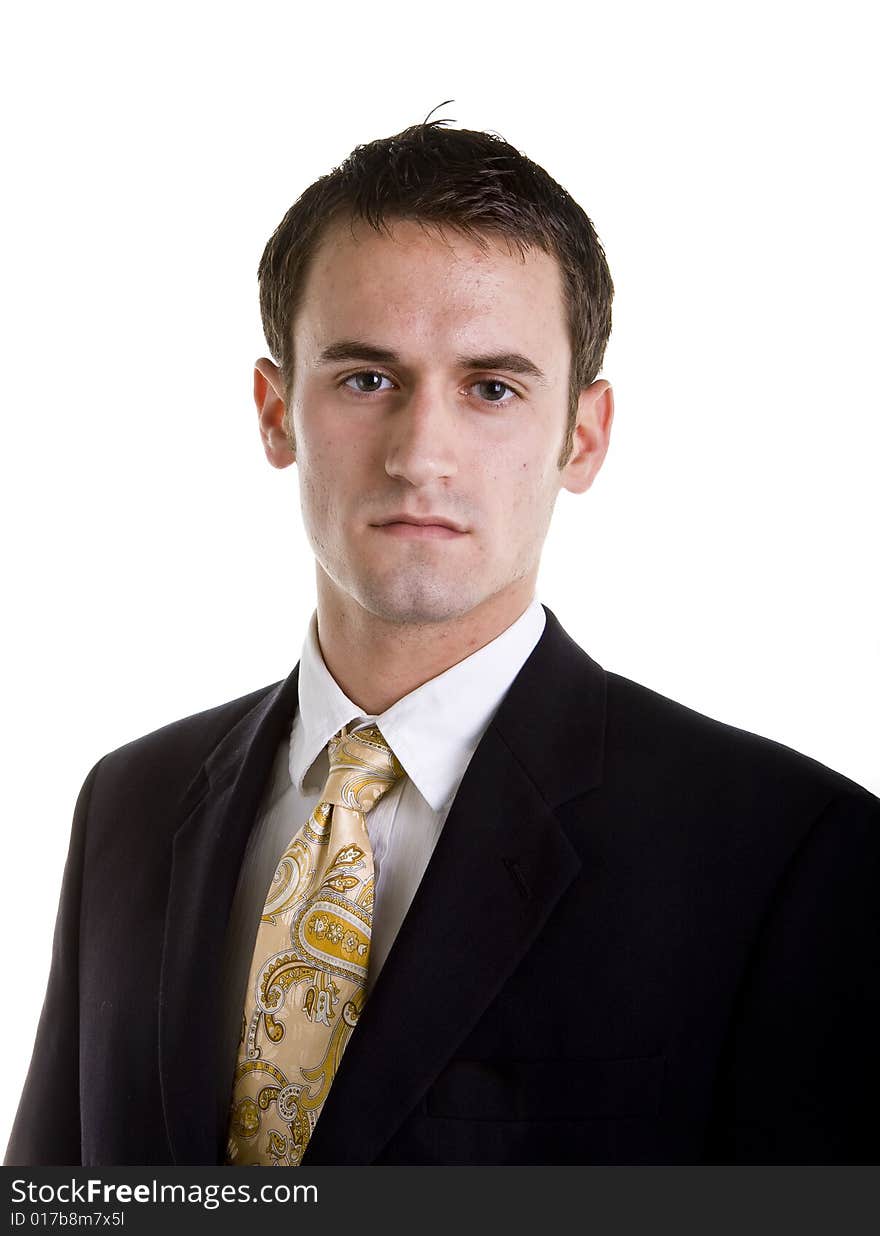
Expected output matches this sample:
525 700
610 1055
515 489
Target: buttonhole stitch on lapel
518 878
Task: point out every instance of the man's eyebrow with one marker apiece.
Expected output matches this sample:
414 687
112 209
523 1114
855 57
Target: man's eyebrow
512 362
356 349
359 350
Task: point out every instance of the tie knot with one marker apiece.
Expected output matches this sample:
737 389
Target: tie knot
362 768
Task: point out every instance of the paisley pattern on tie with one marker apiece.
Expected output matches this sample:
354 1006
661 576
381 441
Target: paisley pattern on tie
307 982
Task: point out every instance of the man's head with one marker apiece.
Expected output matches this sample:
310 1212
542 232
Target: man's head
438 309
471 181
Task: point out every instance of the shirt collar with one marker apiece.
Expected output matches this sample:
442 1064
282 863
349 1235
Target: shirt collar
435 730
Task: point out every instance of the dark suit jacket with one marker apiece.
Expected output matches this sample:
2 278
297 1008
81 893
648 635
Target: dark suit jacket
644 937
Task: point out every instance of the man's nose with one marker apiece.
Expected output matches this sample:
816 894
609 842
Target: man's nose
421 441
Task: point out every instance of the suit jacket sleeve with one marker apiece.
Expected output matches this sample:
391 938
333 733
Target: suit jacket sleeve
800 1080
47 1127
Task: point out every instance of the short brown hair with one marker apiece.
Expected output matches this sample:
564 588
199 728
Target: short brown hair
472 181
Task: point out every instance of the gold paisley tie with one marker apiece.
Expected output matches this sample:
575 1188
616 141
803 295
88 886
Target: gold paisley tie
307 982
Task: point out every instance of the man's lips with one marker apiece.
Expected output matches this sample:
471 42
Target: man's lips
420 526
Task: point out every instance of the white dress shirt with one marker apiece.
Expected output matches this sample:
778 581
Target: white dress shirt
434 731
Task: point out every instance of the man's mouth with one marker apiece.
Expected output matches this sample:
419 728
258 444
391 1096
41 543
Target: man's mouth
420 526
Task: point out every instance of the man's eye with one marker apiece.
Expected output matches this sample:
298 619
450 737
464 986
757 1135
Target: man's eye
493 390
367 381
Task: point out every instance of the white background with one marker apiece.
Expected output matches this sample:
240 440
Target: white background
153 562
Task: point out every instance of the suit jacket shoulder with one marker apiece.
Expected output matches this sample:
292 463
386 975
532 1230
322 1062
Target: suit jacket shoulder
167 758
649 728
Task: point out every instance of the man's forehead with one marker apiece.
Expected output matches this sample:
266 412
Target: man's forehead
426 274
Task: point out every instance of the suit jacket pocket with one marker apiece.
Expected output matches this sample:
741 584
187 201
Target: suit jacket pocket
536 1090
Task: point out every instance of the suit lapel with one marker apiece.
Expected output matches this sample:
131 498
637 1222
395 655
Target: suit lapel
500 866
218 814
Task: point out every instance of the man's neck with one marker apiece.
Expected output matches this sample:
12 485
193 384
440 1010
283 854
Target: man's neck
377 662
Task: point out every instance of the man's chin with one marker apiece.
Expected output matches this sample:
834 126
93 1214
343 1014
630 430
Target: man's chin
420 604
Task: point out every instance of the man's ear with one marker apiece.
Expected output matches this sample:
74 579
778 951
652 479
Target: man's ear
592 433
271 408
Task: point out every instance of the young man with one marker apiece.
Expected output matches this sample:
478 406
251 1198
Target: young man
451 893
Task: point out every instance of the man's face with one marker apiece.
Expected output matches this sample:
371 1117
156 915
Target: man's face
428 408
